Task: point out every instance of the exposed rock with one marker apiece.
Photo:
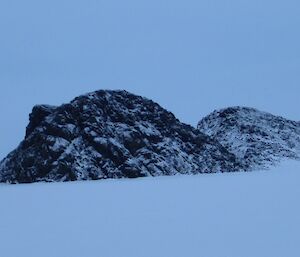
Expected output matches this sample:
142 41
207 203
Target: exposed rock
111 134
257 138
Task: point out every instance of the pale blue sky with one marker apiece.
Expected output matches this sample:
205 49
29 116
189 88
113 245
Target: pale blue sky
191 56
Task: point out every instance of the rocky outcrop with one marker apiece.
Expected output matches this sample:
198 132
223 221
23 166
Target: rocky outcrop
257 138
111 134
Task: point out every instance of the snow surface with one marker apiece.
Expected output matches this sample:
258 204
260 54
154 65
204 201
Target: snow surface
253 214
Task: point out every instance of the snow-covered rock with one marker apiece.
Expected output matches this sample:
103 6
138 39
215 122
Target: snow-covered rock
257 138
111 134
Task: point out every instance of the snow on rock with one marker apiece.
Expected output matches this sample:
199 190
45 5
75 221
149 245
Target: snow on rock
111 134
257 138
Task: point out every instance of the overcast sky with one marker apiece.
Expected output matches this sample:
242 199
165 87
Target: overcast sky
191 56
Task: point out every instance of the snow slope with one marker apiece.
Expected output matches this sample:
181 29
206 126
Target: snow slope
255 214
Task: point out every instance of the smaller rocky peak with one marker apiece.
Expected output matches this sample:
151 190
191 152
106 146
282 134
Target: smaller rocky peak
235 112
258 138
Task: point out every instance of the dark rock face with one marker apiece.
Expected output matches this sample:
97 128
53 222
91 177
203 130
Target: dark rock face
111 134
258 139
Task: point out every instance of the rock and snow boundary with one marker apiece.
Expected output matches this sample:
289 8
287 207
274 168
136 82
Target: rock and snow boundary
115 134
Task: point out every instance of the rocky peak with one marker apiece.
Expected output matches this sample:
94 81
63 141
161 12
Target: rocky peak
257 138
111 134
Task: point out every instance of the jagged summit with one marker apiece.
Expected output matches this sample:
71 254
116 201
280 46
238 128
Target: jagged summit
258 138
111 134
